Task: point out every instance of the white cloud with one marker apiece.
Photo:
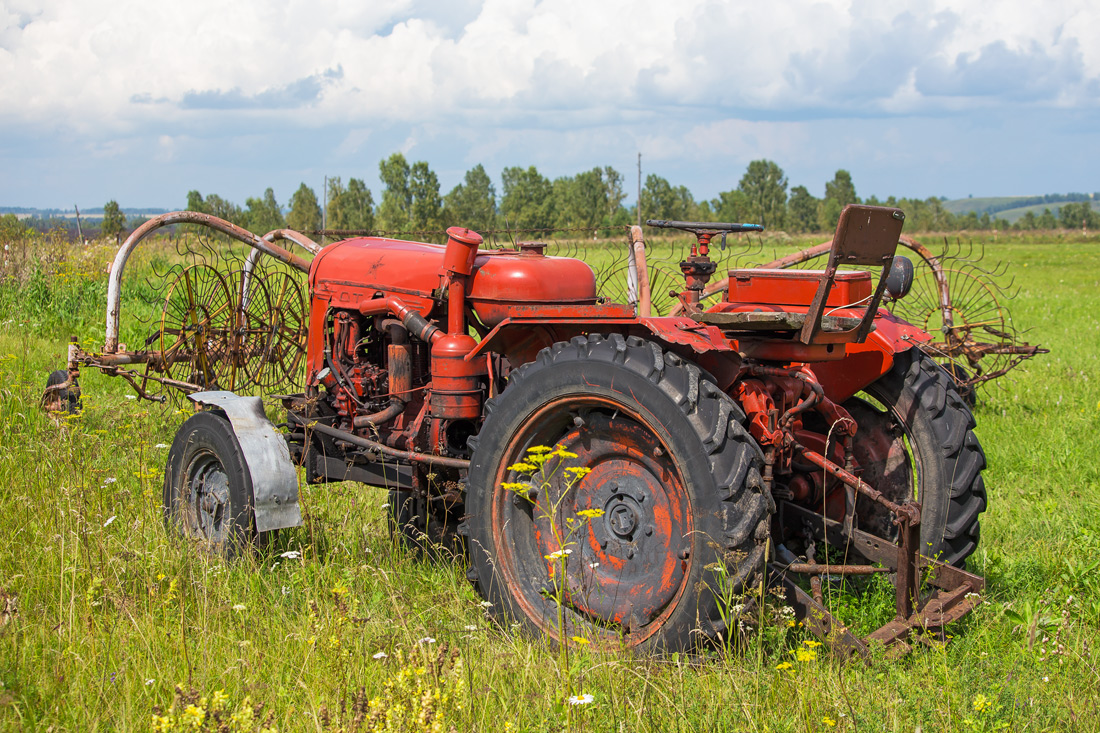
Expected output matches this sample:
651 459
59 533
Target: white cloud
118 65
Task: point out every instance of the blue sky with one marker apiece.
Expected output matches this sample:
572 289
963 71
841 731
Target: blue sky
141 101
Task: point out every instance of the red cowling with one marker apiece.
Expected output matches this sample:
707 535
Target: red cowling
348 272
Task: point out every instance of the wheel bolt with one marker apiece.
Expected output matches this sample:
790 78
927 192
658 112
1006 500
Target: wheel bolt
685 554
657 452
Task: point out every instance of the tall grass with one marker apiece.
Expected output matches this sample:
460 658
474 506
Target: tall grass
108 623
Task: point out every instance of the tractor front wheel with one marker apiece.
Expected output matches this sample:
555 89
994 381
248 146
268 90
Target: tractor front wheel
208 487
614 495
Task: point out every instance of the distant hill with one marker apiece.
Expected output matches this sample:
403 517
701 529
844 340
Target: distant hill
1013 214
24 212
1000 206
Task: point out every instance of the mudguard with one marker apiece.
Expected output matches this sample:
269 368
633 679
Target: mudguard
866 362
274 477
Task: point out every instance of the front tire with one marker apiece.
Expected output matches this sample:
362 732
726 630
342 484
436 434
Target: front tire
651 546
208 487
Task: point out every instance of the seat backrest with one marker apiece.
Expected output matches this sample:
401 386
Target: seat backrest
865 235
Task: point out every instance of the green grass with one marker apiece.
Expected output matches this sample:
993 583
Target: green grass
102 614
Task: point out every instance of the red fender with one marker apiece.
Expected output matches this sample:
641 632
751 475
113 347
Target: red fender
867 362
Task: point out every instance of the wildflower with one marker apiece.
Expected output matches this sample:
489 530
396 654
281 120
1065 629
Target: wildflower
783 665
470 627
981 703
285 590
220 698
791 622
193 716
110 519
1046 679
519 488
238 607
812 644
562 453
149 682
161 576
291 554
380 655
339 589
590 513
130 396
579 640
805 655
539 449
579 699
486 604
425 640
523 467
593 565
829 722
558 554
109 481
579 471
161 445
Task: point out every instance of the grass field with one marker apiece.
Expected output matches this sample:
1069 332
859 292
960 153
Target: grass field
108 624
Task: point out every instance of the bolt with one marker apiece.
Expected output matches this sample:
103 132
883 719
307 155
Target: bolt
578 421
657 452
685 554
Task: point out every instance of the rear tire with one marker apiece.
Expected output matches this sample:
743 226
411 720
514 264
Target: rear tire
926 429
208 487
676 476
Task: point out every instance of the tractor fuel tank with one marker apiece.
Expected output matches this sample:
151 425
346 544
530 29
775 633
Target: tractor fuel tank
357 269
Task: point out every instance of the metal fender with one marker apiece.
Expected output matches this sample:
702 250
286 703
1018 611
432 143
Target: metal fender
866 362
274 477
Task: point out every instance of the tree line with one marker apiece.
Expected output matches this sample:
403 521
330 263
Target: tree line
411 203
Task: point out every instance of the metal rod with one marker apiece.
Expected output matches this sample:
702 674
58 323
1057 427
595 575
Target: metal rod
380 447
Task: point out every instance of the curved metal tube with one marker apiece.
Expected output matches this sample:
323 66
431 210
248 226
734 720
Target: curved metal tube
114 284
273 236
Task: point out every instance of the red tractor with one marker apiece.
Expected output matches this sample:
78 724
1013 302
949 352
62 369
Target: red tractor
608 473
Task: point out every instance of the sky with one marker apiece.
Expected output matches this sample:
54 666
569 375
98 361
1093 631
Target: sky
141 101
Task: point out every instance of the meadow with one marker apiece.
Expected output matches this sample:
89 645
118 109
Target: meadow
108 623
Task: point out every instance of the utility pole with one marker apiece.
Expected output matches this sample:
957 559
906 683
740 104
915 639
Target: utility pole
324 211
639 206
79 233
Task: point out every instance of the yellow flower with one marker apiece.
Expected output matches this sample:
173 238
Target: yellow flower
981 703
561 452
516 487
522 467
539 449
590 513
812 644
340 589
783 665
805 655
829 722
579 640
578 471
791 622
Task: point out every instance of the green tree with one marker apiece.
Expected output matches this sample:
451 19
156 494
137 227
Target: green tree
730 206
114 222
349 208
765 188
526 199
1027 221
395 211
1078 215
427 204
1046 220
305 212
264 214
410 200
581 201
614 195
801 210
839 192
195 202
660 200
472 203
